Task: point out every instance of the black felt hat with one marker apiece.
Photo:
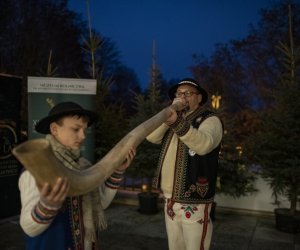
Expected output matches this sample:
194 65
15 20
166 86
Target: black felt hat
60 110
191 82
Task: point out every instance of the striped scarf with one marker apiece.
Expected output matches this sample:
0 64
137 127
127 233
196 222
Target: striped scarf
93 214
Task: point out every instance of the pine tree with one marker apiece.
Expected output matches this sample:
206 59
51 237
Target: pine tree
235 177
145 162
276 147
111 126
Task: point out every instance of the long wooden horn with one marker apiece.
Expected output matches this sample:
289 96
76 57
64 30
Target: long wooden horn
37 156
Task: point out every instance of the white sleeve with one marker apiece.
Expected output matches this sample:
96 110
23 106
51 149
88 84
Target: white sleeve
30 196
107 195
206 138
157 135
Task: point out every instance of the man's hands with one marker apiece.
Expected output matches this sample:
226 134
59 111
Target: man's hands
54 197
129 159
172 118
180 104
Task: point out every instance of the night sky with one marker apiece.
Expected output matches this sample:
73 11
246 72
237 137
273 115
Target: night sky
180 28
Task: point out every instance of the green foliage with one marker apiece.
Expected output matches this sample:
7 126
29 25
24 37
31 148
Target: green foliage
145 162
90 46
235 177
245 72
276 147
111 126
45 38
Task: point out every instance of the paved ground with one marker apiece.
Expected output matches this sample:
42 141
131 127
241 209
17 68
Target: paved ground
130 230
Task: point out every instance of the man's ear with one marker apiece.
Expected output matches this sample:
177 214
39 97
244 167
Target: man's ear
199 98
53 128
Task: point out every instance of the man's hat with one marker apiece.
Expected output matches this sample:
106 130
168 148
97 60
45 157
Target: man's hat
60 110
191 82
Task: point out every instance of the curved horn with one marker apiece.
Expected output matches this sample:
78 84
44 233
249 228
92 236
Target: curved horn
36 155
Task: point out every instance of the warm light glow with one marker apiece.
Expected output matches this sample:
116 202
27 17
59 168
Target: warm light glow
144 188
215 101
239 149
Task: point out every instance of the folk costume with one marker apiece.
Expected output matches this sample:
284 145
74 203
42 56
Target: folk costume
75 225
186 174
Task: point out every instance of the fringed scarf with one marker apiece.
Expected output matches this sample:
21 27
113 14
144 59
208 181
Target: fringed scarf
93 214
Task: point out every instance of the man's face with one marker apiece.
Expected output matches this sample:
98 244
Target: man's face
70 131
194 99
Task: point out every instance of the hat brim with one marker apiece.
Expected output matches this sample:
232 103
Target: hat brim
43 125
202 91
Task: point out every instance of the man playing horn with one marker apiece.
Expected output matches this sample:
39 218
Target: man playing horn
187 169
49 218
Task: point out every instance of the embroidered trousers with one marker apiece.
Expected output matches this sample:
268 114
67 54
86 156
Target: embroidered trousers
188 226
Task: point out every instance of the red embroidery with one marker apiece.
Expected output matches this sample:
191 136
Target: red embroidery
170 211
205 226
202 186
189 210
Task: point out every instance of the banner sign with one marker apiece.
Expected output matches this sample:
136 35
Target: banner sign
45 92
61 85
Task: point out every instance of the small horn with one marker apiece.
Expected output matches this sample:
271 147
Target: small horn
37 156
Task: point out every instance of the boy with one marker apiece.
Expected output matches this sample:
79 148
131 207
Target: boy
49 218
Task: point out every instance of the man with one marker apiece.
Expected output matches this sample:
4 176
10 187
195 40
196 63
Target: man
49 218
187 169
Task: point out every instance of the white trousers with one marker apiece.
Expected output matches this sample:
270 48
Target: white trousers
189 226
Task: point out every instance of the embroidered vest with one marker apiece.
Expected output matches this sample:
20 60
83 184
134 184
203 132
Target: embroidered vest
195 175
65 232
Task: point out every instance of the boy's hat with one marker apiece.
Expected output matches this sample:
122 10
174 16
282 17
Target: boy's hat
63 109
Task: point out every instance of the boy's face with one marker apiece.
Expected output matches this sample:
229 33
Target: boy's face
70 131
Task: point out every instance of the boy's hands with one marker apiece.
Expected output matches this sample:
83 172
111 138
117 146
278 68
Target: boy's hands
129 159
54 197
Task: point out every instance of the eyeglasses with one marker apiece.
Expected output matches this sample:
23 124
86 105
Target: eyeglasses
186 94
